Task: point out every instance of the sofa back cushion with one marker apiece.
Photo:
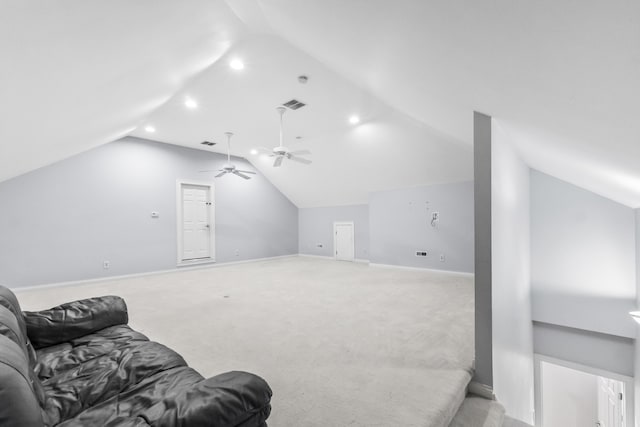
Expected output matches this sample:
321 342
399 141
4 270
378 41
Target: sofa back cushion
20 406
13 327
21 392
10 302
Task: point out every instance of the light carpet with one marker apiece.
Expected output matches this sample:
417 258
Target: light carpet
341 344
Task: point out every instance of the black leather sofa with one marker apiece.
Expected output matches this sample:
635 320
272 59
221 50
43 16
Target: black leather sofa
79 364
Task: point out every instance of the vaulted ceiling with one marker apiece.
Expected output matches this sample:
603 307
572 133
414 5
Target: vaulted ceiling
560 77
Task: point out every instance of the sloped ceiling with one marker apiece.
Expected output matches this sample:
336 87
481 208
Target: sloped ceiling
559 77
76 74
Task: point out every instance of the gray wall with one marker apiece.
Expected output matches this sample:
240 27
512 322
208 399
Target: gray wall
602 351
583 258
316 229
399 222
482 248
513 365
60 222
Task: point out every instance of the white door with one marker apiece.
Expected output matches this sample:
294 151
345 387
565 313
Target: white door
610 403
343 241
196 233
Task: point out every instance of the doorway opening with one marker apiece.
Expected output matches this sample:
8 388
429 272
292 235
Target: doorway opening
195 223
570 394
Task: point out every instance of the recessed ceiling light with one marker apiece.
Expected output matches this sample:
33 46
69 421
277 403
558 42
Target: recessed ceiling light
354 120
149 129
236 64
190 103
254 151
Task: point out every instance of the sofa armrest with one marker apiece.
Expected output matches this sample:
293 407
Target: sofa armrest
74 319
232 399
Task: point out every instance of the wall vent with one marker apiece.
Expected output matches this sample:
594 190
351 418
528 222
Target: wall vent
209 143
294 104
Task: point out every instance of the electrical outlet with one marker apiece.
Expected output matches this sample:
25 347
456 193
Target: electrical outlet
442 258
106 265
237 252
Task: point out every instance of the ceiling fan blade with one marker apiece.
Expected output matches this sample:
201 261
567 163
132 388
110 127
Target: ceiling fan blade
300 160
278 161
251 172
299 152
237 172
220 174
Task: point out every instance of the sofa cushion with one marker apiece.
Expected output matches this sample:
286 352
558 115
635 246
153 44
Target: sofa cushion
59 358
96 367
181 397
10 328
20 406
8 300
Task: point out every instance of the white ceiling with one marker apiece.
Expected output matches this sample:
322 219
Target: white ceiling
559 76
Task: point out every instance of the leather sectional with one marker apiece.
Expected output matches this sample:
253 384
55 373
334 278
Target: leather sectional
79 364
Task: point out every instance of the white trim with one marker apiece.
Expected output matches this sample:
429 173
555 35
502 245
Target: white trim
353 239
537 384
198 261
247 261
434 270
318 256
212 221
358 260
148 273
203 265
481 390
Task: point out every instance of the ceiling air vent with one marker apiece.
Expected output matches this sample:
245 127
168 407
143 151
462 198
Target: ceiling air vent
294 104
209 143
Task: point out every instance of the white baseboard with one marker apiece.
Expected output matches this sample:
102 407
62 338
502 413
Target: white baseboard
247 261
434 270
218 265
481 390
199 266
316 256
358 260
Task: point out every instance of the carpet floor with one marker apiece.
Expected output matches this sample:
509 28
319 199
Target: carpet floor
341 344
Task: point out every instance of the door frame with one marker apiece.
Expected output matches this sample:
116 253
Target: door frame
353 240
537 384
212 221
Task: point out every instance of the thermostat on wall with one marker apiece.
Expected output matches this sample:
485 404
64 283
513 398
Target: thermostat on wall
155 214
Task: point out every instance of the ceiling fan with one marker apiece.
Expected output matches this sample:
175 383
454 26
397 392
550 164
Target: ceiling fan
229 167
281 152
